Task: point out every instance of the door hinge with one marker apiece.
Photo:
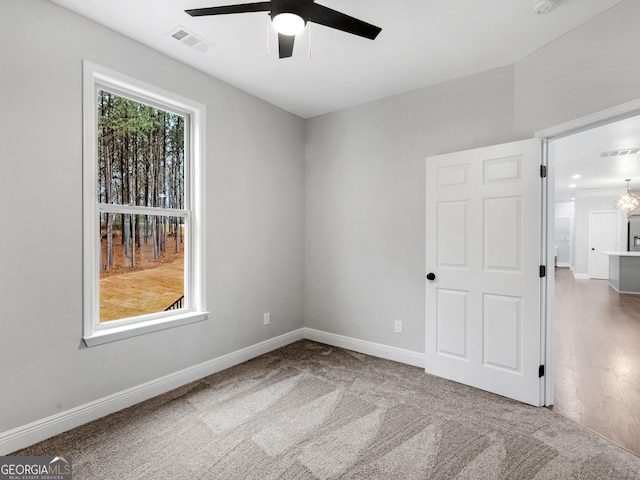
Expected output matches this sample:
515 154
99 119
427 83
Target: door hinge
541 371
543 171
543 271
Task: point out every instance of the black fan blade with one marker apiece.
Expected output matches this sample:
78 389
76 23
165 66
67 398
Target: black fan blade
285 45
340 21
242 8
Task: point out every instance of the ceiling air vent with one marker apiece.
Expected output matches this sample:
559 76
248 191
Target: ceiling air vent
180 34
190 39
620 153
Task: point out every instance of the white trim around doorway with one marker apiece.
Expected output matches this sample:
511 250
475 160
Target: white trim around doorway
603 117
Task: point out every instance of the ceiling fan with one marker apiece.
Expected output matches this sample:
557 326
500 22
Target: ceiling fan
289 18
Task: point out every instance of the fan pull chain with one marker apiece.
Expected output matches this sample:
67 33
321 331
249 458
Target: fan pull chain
309 24
268 28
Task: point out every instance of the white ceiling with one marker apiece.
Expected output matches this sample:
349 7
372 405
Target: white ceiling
422 42
580 154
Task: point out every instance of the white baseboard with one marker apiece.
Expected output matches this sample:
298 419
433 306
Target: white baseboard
35 432
375 349
581 276
26 435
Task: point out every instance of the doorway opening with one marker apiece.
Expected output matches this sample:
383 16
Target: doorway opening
593 331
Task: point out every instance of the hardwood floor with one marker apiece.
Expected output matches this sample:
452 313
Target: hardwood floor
597 358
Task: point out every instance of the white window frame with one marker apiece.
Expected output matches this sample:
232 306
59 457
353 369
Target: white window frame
96 78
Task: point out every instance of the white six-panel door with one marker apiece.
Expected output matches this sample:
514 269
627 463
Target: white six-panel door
483 324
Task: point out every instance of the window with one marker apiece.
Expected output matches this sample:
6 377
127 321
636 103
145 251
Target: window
143 200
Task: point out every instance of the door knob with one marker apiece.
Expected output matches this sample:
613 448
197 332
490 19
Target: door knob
431 276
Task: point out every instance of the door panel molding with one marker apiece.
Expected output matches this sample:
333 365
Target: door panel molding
483 243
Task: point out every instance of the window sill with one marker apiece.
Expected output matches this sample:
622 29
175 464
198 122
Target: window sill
108 335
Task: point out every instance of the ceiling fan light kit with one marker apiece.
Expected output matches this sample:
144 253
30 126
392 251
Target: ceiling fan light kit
288 23
289 18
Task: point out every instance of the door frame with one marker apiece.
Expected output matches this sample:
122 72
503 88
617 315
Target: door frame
546 136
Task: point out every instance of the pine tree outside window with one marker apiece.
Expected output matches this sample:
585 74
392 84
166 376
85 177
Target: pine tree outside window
143 232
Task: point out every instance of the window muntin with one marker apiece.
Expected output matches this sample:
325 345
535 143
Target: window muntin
143 208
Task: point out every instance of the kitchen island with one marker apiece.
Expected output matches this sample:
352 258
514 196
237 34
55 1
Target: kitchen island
624 271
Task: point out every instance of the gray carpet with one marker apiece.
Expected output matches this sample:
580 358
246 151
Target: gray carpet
311 411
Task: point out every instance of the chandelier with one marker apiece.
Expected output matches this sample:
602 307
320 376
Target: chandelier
627 203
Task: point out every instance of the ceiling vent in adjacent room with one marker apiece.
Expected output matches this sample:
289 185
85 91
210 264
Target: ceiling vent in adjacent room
622 152
190 39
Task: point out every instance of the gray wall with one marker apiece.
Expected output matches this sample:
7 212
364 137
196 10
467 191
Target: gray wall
364 260
254 217
365 215
587 70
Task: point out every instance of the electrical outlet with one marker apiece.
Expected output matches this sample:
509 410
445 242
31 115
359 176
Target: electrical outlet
397 326
267 318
